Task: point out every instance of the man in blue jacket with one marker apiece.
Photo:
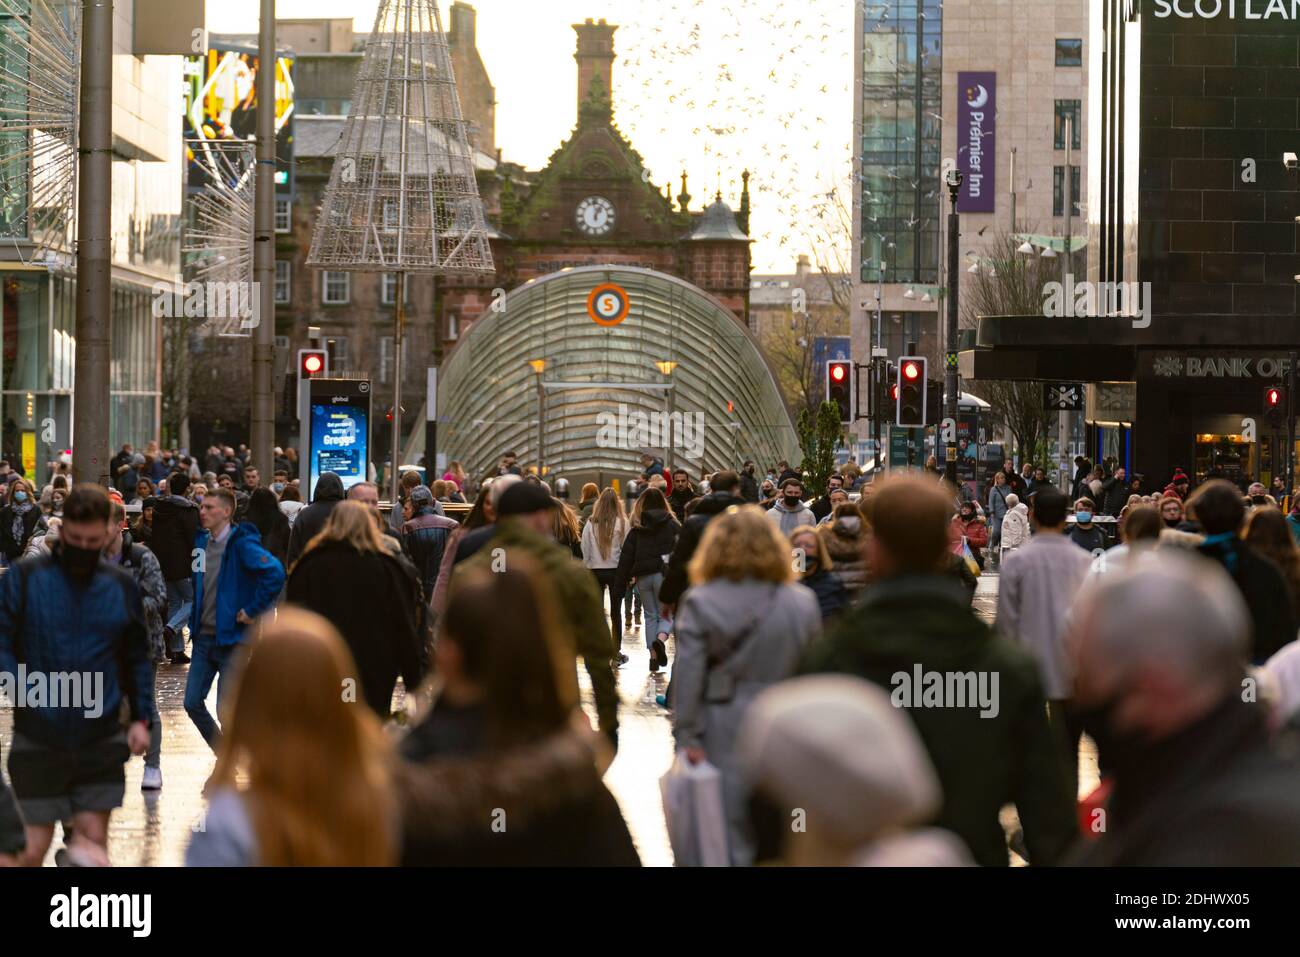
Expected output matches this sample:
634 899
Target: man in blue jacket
235 580
73 648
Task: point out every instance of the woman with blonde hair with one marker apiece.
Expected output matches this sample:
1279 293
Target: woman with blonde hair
318 769
808 549
564 528
740 628
602 541
347 575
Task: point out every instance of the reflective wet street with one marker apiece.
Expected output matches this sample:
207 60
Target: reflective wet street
153 828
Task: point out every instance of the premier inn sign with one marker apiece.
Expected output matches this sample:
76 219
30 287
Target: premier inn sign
1220 367
1243 9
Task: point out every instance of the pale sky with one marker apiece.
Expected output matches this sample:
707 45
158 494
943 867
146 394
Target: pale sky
707 86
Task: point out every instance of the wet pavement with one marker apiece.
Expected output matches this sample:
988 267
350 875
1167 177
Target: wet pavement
154 828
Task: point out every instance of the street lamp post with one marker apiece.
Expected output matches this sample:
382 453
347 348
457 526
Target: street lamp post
950 341
262 431
94 201
539 366
666 368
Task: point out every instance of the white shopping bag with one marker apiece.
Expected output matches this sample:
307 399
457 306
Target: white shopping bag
697 824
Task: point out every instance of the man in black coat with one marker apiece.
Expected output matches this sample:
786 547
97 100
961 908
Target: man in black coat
1160 688
175 527
1217 506
749 484
329 492
723 496
1114 493
683 492
822 506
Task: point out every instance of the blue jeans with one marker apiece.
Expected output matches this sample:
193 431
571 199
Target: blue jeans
656 623
180 599
208 663
631 602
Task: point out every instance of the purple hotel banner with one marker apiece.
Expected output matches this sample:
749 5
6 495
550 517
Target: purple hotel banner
977 105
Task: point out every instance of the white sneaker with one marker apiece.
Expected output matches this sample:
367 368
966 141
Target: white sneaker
152 780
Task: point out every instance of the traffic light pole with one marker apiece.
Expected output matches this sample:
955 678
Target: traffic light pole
1290 427
950 340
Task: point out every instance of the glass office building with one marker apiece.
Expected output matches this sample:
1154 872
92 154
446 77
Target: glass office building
902 101
37 272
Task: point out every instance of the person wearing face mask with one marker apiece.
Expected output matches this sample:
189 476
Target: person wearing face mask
1196 780
789 511
67 756
1085 533
20 521
809 549
767 494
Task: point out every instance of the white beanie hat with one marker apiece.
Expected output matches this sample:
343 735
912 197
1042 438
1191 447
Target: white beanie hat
835 746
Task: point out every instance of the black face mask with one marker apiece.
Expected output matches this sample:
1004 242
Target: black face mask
791 501
1115 749
78 562
1172 522
1259 499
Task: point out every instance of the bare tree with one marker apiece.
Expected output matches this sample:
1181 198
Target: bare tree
790 347
1009 283
829 234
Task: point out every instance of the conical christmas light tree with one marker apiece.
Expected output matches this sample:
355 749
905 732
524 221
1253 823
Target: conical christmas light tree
402 196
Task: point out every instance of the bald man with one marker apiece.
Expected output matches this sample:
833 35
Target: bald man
1162 688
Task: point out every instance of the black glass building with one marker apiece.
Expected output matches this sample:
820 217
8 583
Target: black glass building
1193 106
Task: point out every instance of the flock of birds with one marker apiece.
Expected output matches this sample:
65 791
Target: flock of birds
768 86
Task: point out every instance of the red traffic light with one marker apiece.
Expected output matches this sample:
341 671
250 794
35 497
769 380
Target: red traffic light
312 363
838 373
1273 397
911 370
893 392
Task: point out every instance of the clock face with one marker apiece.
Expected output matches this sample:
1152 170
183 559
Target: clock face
595 216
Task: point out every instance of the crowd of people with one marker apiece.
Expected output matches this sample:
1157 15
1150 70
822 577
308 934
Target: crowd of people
403 688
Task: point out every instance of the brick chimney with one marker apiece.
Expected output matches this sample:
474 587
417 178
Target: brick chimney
462 32
595 57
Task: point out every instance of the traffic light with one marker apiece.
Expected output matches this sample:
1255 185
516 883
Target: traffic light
312 364
886 396
912 380
1275 404
839 387
934 402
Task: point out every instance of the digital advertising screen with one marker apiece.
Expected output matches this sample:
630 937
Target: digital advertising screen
340 433
221 105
